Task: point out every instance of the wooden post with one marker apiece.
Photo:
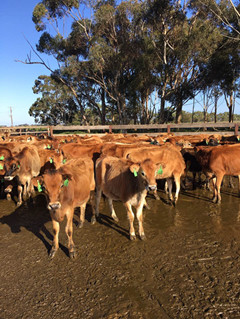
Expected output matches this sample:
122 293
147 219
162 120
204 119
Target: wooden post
51 131
110 129
236 129
168 129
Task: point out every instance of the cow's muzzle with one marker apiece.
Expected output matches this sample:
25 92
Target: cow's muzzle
9 178
152 187
54 206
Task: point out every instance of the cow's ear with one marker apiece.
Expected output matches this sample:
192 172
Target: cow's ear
134 168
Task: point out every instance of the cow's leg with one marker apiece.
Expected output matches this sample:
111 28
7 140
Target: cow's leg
92 202
140 220
169 183
166 187
231 182
214 179
113 214
20 190
82 215
98 198
131 220
239 185
69 232
218 186
177 182
194 181
55 244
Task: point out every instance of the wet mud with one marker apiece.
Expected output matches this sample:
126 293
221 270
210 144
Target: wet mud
187 268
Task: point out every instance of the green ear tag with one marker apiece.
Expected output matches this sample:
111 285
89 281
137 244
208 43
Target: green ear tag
65 183
238 138
51 160
135 172
207 142
18 166
2 158
160 171
218 141
48 146
64 161
1 167
39 187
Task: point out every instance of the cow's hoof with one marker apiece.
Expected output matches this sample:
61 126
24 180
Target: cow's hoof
93 220
9 197
115 218
214 200
72 254
52 253
80 225
157 197
143 237
132 237
19 204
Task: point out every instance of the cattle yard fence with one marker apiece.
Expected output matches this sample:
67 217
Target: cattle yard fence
223 128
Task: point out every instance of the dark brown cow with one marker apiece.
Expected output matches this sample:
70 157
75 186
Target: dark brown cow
66 188
124 180
24 166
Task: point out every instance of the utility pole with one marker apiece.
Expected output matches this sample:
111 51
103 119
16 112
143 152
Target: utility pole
11 117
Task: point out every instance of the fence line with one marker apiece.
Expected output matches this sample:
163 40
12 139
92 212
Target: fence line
36 129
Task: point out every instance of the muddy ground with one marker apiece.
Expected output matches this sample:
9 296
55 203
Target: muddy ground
187 268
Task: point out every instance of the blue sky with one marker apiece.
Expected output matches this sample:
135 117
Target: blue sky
17 79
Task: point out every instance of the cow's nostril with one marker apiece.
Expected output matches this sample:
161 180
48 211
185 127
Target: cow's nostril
54 206
152 187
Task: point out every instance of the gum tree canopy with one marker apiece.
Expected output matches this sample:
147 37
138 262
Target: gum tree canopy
131 61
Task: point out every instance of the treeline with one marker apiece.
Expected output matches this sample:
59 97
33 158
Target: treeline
135 61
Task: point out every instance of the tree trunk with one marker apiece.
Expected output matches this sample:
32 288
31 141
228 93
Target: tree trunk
162 120
215 108
103 115
193 107
179 112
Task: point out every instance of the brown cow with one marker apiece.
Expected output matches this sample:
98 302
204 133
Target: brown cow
24 166
50 159
171 160
66 188
124 180
75 150
219 161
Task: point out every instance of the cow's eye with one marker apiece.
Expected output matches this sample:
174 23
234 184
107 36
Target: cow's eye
14 166
143 174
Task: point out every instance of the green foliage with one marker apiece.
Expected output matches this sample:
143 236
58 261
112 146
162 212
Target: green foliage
111 63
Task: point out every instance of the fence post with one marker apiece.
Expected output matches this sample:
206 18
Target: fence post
168 129
51 131
110 129
236 129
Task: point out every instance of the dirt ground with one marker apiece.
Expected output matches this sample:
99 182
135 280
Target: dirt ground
187 268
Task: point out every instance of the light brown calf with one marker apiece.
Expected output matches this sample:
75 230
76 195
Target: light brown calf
124 180
72 185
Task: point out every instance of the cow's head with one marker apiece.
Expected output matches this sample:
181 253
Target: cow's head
146 171
12 167
54 183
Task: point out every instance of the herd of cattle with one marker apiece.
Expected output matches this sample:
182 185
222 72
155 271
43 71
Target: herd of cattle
73 170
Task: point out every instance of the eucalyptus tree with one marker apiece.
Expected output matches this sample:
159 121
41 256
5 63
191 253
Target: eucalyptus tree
183 42
222 69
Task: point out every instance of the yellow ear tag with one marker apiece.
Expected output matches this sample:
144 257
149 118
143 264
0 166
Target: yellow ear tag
160 171
1 167
51 160
135 172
